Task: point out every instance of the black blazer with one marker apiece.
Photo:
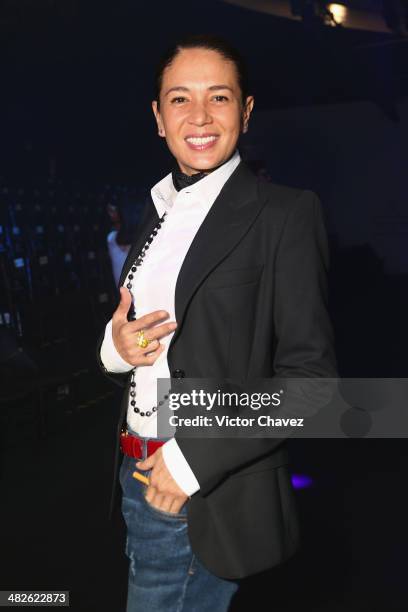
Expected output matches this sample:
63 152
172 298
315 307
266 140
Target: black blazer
251 302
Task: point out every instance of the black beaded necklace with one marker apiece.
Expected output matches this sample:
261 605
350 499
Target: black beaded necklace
180 180
136 264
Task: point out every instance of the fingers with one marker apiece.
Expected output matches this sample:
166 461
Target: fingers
124 332
150 357
148 324
144 357
150 494
154 333
166 503
177 505
148 354
151 319
170 504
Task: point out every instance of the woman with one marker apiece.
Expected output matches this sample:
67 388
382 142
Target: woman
125 216
226 278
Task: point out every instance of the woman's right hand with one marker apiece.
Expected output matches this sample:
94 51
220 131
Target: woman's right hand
125 335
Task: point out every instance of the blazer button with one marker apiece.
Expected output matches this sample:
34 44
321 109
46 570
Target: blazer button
178 373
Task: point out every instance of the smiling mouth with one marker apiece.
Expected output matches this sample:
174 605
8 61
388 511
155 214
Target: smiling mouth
200 143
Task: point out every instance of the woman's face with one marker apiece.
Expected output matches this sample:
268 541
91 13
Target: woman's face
201 114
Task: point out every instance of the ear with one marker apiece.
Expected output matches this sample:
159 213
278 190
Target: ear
160 126
249 105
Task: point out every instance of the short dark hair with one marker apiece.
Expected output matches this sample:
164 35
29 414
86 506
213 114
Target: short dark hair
203 41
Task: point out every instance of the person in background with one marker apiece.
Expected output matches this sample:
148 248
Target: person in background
124 218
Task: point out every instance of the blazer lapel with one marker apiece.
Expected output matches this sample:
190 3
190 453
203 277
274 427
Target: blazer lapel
229 218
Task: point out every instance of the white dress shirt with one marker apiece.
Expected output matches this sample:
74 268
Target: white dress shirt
153 288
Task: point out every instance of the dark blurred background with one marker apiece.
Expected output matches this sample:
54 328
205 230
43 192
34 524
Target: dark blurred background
78 150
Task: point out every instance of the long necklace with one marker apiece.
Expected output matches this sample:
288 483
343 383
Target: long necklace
136 264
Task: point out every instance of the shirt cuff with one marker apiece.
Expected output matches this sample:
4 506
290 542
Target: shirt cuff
110 357
178 467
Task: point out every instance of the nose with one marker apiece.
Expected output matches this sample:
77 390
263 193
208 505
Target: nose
199 114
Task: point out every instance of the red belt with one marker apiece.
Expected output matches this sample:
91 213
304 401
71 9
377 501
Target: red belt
133 446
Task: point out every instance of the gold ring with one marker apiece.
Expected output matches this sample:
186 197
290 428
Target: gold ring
142 341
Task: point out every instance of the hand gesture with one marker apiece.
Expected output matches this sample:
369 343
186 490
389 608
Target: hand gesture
125 333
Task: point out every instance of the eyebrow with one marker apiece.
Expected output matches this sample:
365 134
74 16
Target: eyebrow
211 88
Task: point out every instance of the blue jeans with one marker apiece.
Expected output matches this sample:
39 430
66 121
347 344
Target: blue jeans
164 574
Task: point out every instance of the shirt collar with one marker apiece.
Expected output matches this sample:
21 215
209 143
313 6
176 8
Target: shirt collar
206 189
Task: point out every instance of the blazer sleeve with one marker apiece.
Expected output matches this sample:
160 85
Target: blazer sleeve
304 338
305 341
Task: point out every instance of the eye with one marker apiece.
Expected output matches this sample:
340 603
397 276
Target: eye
178 98
219 96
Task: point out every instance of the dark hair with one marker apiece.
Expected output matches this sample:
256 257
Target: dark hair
204 41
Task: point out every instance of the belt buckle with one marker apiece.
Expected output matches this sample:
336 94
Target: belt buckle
123 435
